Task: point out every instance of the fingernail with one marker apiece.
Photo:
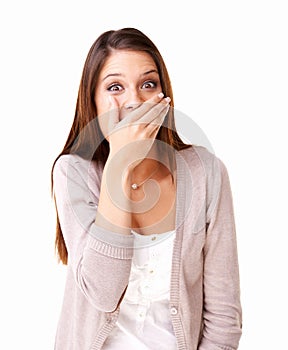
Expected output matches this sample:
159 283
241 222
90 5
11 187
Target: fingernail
161 95
168 99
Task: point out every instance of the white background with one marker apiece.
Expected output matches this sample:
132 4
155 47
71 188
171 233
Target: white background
228 66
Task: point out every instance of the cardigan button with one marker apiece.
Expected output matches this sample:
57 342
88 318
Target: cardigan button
173 311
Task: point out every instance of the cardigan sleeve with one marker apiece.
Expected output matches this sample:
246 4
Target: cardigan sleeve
100 259
222 314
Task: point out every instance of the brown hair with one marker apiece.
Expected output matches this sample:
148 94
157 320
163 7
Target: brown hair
85 137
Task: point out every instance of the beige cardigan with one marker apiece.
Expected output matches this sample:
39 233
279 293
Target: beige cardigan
205 294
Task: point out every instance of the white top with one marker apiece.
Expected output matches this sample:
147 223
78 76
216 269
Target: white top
144 321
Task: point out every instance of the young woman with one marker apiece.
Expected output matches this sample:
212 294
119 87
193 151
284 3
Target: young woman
144 221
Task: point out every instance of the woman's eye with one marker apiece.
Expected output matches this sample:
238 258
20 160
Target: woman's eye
149 85
115 88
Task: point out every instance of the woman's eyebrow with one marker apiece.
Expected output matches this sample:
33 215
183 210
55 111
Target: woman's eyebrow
112 75
150 71
119 74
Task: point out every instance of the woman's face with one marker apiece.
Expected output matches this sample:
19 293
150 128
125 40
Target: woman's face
129 78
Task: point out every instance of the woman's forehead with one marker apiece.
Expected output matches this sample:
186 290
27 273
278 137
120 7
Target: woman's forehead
121 61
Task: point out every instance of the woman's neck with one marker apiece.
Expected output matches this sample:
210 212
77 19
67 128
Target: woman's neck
155 160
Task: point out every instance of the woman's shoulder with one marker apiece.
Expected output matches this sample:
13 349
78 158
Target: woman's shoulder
69 159
200 155
73 163
64 162
72 159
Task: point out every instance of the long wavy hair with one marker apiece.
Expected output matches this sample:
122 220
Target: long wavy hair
82 139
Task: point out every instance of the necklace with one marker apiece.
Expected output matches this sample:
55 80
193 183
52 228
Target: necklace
135 186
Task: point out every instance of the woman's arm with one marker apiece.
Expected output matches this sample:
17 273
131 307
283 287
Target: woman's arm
222 312
100 259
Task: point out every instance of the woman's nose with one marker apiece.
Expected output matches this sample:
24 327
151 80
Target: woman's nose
133 100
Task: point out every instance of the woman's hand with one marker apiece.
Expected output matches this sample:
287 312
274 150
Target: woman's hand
135 133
